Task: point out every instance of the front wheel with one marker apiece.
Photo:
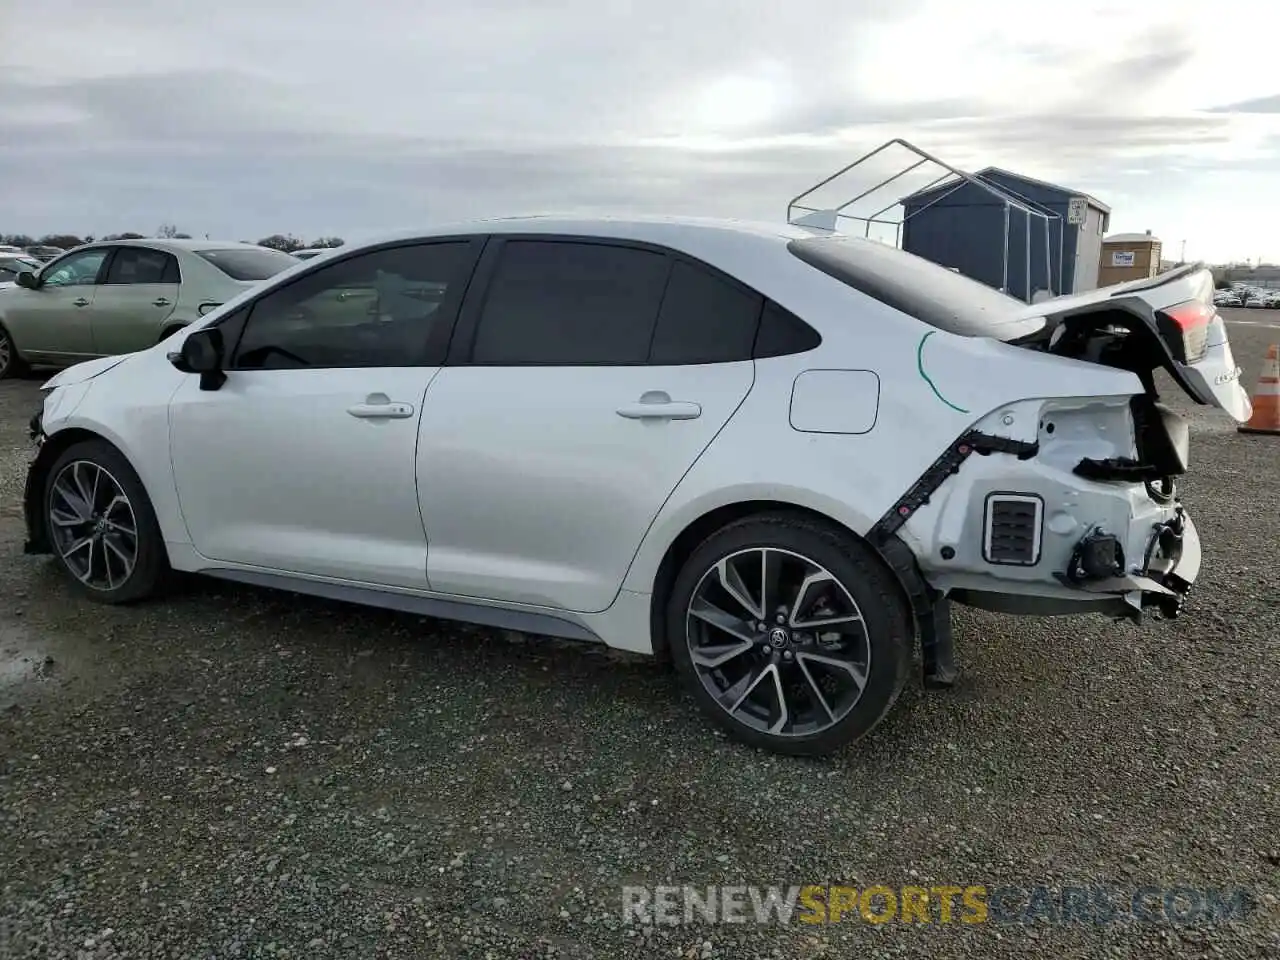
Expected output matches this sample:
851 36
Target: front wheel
101 525
792 636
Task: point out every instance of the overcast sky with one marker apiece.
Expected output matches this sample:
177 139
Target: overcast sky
241 118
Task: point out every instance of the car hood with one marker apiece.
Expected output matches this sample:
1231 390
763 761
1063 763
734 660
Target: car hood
84 371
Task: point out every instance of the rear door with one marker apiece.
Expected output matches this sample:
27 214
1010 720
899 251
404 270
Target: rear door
138 294
590 376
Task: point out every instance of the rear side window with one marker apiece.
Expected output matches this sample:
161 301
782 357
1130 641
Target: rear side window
930 293
704 319
569 303
139 265
249 263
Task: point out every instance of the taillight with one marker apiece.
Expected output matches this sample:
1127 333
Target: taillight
1185 328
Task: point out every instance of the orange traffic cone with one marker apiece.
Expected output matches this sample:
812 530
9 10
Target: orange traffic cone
1266 402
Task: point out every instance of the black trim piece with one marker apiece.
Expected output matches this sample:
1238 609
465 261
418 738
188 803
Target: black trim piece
37 541
993 500
949 463
932 613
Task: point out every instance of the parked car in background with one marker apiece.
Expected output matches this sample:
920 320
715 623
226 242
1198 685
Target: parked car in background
775 455
119 296
12 264
9 250
44 253
310 252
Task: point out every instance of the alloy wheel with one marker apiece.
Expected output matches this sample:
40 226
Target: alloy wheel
6 351
93 525
778 642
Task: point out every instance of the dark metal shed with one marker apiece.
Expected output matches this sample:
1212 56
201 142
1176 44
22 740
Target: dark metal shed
959 224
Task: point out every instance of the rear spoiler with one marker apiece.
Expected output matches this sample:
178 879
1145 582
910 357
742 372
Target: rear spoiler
1160 279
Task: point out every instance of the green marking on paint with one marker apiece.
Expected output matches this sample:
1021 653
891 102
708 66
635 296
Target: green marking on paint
932 386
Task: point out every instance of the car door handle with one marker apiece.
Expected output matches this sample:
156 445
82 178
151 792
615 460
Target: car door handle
160 302
657 405
379 407
80 302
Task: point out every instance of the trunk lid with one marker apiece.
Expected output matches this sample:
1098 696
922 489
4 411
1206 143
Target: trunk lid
1168 321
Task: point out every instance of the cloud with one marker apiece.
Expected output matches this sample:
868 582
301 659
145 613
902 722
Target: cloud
242 119
1257 105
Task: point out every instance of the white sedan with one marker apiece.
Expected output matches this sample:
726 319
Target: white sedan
773 454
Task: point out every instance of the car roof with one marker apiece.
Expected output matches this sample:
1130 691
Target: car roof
165 243
653 229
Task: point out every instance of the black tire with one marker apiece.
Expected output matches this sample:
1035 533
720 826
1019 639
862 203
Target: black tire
150 569
887 638
11 365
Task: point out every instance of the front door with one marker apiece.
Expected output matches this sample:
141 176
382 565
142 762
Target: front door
304 460
598 375
54 322
138 294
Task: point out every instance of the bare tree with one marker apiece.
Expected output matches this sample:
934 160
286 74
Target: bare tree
282 241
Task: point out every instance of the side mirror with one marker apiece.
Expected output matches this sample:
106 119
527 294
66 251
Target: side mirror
202 352
26 279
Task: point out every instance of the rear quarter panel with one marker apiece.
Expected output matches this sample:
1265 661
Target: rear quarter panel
933 387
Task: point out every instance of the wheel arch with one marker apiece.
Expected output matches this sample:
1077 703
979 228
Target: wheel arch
38 475
894 554
13 340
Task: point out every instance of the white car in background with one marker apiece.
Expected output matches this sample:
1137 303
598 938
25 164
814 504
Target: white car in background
773 454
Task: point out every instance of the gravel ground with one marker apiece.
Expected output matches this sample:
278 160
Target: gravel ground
237 773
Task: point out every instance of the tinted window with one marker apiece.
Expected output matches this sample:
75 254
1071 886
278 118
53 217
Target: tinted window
377 309
930 293
783 333
557 302
137 265
249 263
704 319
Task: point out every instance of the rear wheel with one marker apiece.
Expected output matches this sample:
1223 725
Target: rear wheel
11 365
101 524
791 635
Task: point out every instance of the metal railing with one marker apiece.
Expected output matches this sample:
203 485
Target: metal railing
1009 199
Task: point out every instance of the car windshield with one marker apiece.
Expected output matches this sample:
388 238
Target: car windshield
932 294
249 263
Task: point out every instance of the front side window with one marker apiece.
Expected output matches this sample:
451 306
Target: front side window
76 270
570 303
139 265
378 309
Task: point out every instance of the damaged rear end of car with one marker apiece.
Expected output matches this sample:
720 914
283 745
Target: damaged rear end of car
1063 499
1094 493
